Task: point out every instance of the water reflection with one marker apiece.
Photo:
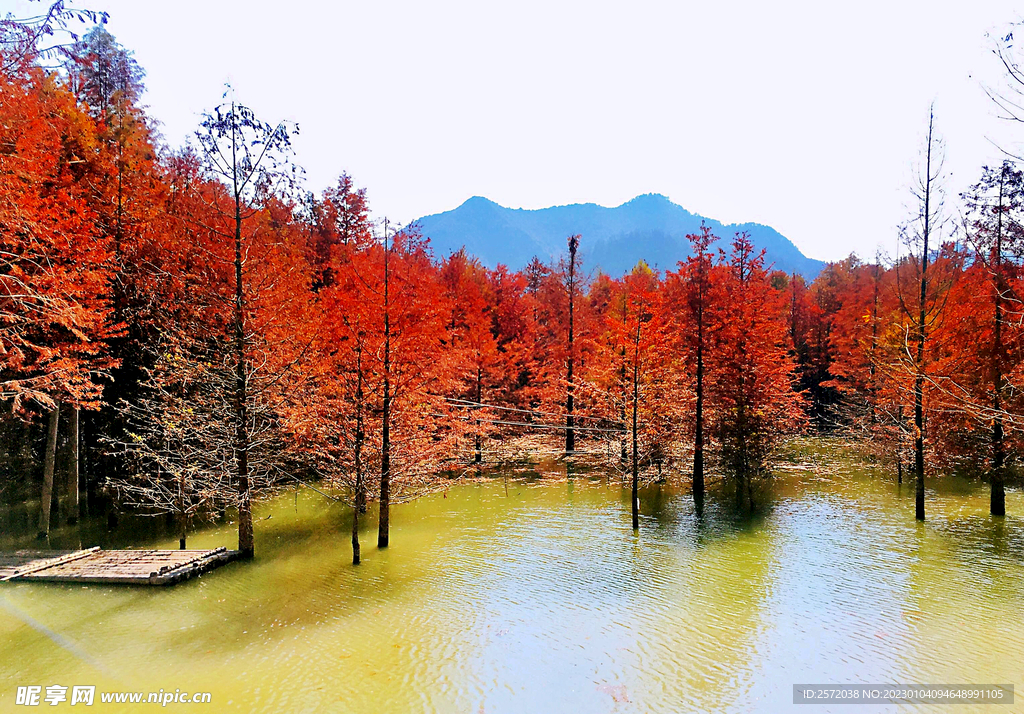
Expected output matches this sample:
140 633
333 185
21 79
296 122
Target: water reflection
546 600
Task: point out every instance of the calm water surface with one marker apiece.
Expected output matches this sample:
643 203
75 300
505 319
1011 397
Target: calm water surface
545 601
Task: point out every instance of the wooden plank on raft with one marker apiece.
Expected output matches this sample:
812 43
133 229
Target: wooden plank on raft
41 565
130 567
10 562
197 556
210 560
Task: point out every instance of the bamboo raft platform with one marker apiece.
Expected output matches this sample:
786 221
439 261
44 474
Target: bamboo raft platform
111 567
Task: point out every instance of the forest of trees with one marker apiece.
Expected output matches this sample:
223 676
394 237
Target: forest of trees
184 329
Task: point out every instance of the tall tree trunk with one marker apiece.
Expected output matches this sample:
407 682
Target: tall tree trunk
479 456
922 315
182 529
997 504
383 524
360 496
570 432
246 539
873 388
636 457
48 464
73 463
698 436
742 461
623 451
919 425
355 530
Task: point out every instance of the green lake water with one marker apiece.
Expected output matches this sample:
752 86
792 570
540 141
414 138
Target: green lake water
544 600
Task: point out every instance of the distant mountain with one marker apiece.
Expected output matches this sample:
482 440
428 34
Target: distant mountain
650 227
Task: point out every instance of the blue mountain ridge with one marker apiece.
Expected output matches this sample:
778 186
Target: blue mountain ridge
649 227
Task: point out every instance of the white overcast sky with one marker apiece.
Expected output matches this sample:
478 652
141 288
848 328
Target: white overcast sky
808 117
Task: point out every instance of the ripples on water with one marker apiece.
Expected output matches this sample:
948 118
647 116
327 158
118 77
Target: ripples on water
545 601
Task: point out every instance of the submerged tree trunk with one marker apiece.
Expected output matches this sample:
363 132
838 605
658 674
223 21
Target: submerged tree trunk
918 458
385 468
383 523
623 450
997 504
48 464
73 463
246 541
636 456
355 535
360 496
570 432
740 477
873 388
922 315
479 456
698 437
919 438
746 470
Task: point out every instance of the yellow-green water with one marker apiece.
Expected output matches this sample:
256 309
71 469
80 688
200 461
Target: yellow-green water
545 601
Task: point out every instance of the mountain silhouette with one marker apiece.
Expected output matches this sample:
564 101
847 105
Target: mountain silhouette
649 227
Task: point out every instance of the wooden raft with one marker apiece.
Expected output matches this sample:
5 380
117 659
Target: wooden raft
127 567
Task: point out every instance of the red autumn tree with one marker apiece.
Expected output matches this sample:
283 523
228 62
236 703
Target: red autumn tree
866 344
473 347
55 262
130 211
234 347
565 338
690 293
515 332
980 354
637 374
752 385
388 304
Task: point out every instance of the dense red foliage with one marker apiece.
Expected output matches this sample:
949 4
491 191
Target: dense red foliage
368 360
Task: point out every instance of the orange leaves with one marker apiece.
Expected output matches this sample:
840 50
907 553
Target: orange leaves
341 324
729 327
387 338
751 372
55 263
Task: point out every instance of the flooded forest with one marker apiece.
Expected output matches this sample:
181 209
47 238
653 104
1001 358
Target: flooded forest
455 487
